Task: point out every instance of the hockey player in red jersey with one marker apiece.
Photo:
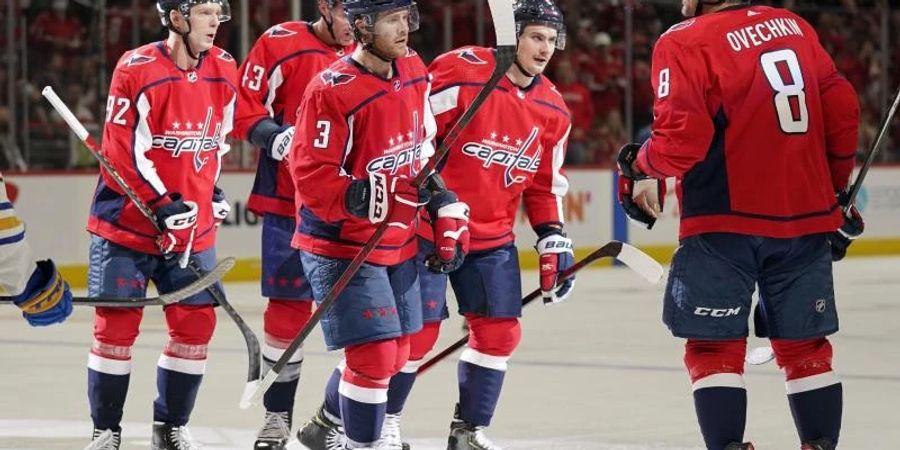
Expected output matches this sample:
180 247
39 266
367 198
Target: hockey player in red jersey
170 108
36 287
363 131
760 131
276 72
512 151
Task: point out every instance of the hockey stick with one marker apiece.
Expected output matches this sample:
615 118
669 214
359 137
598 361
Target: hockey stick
870 157
636 260
505 54
205 281
253 351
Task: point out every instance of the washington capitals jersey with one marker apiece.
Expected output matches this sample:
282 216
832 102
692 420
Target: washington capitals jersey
512 150
273 78
353 123
165 133
753 119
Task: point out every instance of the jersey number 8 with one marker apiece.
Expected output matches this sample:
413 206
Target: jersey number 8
790 97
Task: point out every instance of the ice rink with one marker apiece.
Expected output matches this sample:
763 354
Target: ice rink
599 371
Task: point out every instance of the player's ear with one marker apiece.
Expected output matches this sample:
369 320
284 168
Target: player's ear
324 11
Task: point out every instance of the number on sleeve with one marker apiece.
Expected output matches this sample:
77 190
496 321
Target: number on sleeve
663 90
253 81
324 128
117 102
793 116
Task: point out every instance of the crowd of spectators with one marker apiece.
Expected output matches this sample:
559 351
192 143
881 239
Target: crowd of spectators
70 48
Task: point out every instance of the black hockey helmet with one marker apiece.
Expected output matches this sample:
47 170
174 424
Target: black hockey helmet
164 7
541 12
368 11
701 3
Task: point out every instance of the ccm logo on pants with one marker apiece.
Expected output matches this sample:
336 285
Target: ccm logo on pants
713 312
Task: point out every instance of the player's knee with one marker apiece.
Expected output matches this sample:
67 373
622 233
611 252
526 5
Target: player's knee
422 342
374 360
494 336
804 357
705 358
283 319
117 327
191 324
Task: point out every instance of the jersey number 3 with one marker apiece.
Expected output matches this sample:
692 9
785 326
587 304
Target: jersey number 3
782 69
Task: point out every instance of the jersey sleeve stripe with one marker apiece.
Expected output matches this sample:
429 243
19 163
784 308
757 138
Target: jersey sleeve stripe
143 142
444 101
560 184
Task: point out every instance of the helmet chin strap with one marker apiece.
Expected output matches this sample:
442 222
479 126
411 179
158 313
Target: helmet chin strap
522 69
329 25
187 44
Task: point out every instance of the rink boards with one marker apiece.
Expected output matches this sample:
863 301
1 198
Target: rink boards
55 208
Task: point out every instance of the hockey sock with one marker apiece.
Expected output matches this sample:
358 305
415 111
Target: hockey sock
480 380
178 375
280 396
814 392
400 386
363 403
721 412
109 371
332 397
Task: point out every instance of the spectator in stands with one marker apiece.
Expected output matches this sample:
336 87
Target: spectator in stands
56 29
578 99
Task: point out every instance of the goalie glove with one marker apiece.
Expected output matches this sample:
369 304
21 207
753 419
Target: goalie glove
555 255
633 185
450 223
220 206
178 221
851 229
46 299
385 198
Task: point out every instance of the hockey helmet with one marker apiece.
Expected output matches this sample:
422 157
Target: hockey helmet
368 11
163 7
541 12
698 9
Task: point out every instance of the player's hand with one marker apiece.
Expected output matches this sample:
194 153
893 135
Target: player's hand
178 221
220 206
841 239
280 143
386 198
555 255
641 198
46 299
450 222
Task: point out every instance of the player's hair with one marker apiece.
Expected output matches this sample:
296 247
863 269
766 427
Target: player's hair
701 3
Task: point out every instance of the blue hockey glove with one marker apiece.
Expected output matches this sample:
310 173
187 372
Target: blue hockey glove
46 299
555 255
450 223
841 239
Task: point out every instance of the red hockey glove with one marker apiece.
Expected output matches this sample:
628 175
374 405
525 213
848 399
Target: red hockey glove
450 223
178 221
385 198
555 255
635 194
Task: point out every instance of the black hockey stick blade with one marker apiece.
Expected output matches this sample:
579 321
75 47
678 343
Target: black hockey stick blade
640 262
203 282
505 27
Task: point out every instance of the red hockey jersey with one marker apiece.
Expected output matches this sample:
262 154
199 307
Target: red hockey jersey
753 119
352 123
273 77
513 149
165 133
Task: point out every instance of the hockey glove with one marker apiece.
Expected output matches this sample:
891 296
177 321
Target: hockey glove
628 181
852 228
385 198
279 144
220 206
46 299
178 221
450 223
555 255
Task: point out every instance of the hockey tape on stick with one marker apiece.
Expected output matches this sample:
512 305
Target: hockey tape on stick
635 259
505 54
253 351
